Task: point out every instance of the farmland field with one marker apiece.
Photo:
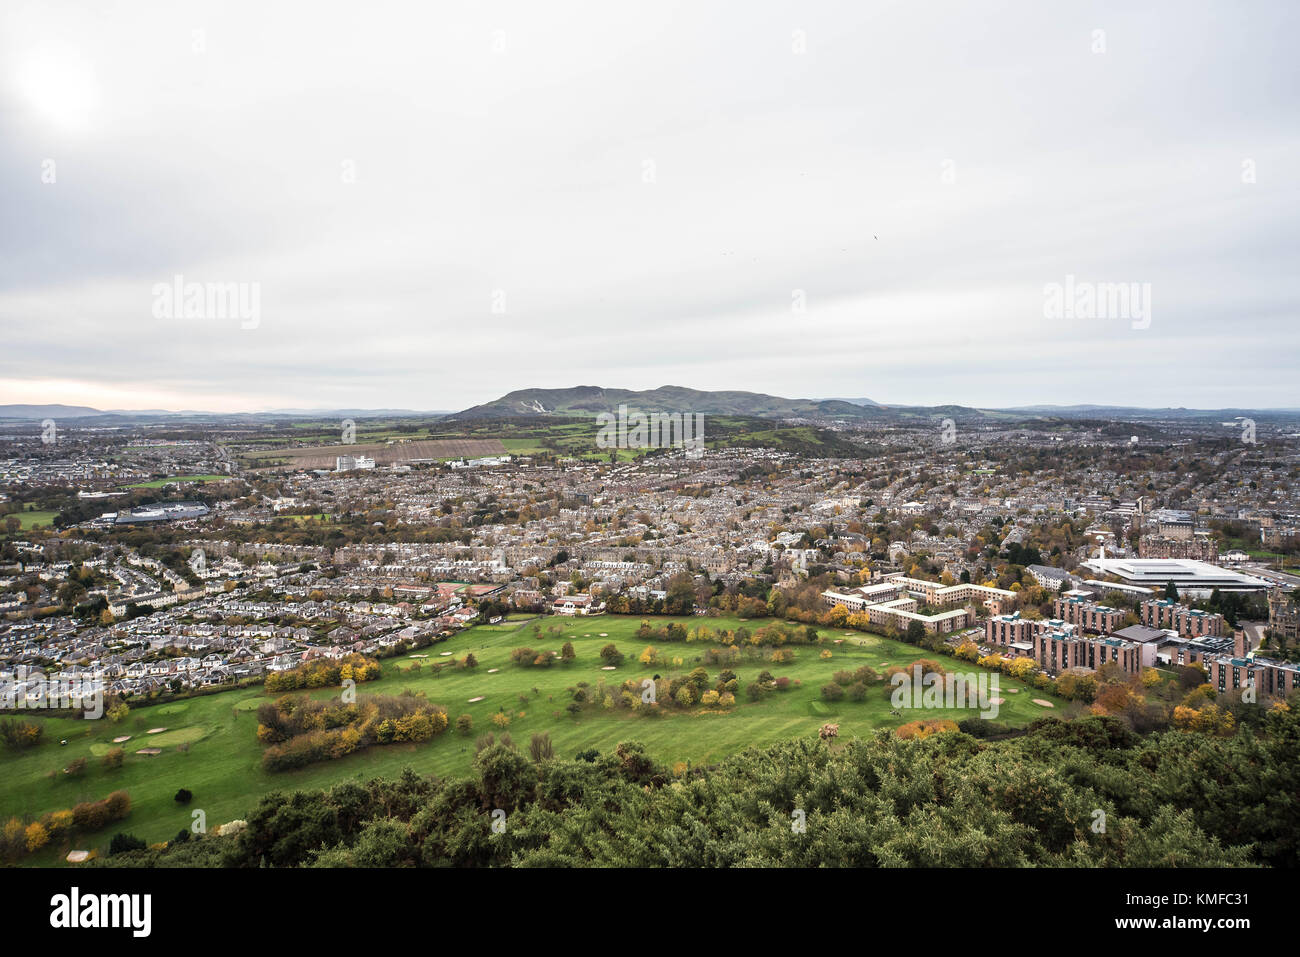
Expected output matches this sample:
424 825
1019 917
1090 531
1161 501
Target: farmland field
209 744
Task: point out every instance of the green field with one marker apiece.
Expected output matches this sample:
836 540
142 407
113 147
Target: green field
35 519
159 483
209 745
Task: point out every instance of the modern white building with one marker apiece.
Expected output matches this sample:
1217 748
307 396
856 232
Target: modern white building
1187 575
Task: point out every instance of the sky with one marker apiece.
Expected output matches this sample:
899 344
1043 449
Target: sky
426 206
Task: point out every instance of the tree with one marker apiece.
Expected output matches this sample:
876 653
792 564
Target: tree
123 842
1171 591
36 836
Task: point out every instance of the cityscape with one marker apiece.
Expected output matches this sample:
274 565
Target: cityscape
440 438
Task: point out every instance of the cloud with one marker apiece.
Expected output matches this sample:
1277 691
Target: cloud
645 189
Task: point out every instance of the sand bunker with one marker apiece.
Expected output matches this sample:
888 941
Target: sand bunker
479 698
150 751
1045 704
155 730
445 654
76 857
608 668
125 737
493 671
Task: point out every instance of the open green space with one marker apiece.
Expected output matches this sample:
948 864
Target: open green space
210 745
159 483
36 518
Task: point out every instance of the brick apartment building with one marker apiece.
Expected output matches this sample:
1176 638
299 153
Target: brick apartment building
1058 645
1089 616
1188 622
1237 671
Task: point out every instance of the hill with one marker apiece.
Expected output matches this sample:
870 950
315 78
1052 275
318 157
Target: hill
592 400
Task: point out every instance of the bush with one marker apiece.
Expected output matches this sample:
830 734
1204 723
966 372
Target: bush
832 692
184 796
465 724
123 843
19 734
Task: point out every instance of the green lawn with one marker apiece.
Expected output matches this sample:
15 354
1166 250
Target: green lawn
35 519
221 765
159 483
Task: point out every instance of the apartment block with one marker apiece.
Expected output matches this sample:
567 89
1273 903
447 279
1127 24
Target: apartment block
1089 616
1188 622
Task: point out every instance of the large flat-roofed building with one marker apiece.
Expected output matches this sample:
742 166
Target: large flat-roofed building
163 512
1192 651
349 463
1187 575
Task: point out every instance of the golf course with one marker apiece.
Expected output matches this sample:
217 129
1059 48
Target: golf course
208 744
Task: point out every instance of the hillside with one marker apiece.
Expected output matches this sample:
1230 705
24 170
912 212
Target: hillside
592 400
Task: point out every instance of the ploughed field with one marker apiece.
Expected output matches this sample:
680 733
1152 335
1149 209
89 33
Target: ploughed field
209 744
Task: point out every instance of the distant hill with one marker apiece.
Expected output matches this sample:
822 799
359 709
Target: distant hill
30 412
871 402
35 413
590 400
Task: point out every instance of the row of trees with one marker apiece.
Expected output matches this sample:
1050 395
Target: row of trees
25 837
324 673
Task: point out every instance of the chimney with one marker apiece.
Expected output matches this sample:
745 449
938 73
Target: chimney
1239 648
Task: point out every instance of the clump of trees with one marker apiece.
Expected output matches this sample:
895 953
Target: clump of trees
299 730
18 734
21 837
324 673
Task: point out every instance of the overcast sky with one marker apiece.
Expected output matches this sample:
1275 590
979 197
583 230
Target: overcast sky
648 191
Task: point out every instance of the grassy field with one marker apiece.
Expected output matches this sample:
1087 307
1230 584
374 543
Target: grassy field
35 519
159 483
209 744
